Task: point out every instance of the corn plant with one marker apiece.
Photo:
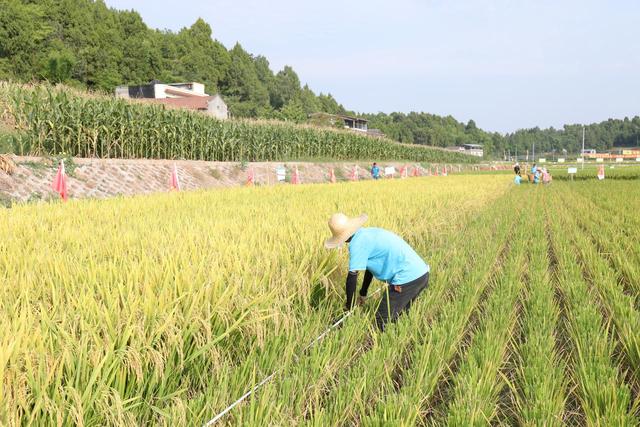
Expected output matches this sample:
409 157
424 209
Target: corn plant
56 120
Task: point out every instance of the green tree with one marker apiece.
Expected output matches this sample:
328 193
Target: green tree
286 87
59 66
243 86
293 111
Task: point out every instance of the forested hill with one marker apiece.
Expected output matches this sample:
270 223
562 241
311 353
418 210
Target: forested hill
87 44
430 129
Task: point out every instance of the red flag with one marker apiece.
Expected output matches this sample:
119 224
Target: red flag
250 176
174 183
601 173
332 176
60 182
295 179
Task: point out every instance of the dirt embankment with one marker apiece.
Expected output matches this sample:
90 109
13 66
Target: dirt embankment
30 178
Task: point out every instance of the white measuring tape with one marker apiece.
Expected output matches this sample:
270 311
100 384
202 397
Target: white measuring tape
267 379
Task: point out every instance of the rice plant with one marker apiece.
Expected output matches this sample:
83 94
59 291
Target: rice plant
164 309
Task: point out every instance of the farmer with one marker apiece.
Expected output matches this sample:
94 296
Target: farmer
537 177
383 255
517 179
516 168
375 171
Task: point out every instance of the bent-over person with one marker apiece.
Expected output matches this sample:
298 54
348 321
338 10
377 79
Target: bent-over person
383 255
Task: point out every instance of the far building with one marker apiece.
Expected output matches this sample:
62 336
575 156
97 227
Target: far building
474 149
339 120
188 96
353 123
469 149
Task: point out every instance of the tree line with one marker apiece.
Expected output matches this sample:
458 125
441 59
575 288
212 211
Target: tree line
430 129
601 136
85 43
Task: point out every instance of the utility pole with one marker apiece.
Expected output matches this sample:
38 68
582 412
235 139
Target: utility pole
533 155
583 159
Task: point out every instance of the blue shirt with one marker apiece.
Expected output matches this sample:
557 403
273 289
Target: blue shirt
375 171
388 257
517 179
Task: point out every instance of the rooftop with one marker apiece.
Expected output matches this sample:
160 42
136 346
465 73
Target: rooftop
342 116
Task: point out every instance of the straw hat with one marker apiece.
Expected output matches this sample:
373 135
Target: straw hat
342 227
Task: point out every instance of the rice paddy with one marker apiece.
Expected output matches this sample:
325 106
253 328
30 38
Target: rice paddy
165 309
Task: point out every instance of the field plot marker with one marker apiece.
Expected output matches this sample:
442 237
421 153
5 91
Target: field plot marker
273 374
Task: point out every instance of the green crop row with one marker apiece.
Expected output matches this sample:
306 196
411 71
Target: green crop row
620 305
477 385
439 340
604 397
60 120
541 383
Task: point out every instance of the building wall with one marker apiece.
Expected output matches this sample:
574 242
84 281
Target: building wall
122 92
475 152
218 108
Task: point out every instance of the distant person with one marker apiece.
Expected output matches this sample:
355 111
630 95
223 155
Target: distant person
375 171
546 176
537 176
534 168
383 255
516 169
517 179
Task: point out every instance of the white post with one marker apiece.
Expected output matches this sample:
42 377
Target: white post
582 147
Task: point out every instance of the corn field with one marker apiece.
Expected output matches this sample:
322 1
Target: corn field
164 309
53 120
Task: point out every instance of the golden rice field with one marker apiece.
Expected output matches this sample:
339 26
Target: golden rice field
163 310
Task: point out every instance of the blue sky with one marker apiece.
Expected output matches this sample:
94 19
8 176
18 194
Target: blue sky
505 64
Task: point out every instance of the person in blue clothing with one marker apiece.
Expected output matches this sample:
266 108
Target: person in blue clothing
383 255
517 179
537 176
375 171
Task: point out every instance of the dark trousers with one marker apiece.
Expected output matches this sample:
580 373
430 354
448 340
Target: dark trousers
395 303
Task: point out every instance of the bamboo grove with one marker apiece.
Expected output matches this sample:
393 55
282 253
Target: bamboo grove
168 317
53 120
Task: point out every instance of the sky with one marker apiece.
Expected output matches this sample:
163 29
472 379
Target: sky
506 64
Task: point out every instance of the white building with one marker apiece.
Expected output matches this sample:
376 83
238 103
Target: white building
190 96
474 149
